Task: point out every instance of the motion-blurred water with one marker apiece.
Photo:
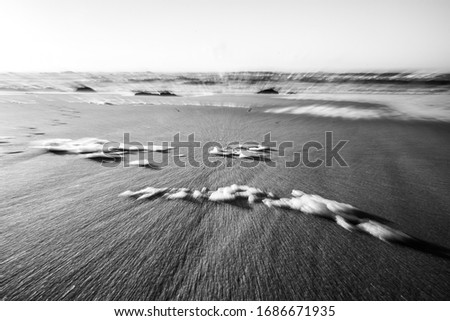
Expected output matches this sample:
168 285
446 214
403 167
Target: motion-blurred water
397 95
225 83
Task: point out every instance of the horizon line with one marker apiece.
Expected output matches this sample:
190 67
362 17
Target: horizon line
366 71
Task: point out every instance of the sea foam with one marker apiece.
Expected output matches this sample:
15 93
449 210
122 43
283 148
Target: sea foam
332 111
344 215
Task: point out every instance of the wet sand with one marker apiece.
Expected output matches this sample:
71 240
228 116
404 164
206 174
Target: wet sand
67 235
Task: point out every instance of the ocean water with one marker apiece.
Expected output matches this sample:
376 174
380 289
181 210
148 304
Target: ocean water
406 96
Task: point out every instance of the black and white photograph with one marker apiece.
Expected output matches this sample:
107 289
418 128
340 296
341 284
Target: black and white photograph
289 150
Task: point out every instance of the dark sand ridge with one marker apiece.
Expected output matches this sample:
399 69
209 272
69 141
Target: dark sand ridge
68 236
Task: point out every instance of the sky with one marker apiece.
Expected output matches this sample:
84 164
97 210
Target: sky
224 35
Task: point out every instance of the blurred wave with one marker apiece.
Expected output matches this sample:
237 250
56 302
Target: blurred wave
341 94
331 111
231 82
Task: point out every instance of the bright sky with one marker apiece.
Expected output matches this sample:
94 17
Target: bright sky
224 35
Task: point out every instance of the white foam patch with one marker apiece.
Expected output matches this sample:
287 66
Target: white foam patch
181 194
332 111
78 146
94 148
152 148
341 213
241 152
144 193
343 223
220 151
258 148
383 232
159 148
101 155
220 196
100 102
140 162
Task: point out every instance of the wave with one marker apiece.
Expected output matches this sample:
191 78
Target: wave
338 108
233 82
348 112
296 86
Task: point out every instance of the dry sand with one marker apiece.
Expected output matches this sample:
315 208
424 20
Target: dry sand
66 235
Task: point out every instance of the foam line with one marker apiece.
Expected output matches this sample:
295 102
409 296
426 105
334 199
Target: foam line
344 215
332 111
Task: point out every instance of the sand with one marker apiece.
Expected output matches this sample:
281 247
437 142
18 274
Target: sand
66 235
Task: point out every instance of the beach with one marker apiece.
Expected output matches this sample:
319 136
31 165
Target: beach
66 235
